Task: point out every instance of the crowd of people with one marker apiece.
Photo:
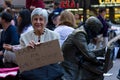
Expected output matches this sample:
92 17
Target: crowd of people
34 25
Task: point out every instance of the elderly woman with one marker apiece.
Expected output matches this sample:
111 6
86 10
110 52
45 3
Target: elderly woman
39 18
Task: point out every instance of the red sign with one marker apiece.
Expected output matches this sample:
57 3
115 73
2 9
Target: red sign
68 4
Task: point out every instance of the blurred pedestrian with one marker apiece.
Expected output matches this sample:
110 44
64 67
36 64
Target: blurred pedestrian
80 63
53 20
14 20
104 31
24 26
32 4
50 24
8 8
9 34
24 21
65 25
57 7
7 5
54 16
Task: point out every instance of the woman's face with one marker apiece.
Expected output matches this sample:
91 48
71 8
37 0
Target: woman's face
19 19
56 20
38 23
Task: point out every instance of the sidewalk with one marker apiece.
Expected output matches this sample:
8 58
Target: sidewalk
114 70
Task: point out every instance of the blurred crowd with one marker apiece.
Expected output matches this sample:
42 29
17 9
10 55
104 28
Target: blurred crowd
81 43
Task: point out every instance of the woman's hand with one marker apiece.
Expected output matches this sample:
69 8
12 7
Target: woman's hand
7 47
32 44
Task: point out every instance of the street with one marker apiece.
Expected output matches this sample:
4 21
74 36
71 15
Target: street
114 70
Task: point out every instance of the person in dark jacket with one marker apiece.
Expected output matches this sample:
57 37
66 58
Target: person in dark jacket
104 30
76 53
54 16
9 34
50 24
57 7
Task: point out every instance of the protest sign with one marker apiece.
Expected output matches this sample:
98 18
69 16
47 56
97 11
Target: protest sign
42 55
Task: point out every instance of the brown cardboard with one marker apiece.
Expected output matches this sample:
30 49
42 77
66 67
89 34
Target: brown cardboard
43 54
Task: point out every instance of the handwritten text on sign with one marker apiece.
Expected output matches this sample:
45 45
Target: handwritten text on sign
43 54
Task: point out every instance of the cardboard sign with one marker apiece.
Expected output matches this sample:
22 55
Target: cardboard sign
42 55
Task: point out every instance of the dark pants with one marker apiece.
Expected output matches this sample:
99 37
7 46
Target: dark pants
49 72
118 76
87 75
118 55
42 79
1 62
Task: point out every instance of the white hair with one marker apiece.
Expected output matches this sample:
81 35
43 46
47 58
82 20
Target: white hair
40 11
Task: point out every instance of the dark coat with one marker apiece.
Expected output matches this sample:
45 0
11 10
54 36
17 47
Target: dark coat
104 30
9 36
76 52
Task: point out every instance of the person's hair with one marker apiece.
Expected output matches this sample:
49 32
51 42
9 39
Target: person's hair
93 25
50 18
8 3
9 10
67 18
1 9
6 16
102 10
26 21
40 11
56 3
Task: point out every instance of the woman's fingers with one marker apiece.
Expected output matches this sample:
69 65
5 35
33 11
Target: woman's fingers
32 44
37 43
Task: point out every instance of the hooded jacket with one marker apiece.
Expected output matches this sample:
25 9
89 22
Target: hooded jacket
75 48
